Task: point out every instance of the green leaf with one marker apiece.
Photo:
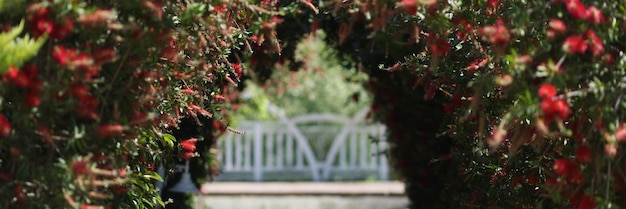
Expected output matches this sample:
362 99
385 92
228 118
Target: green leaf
153 175
169 140
16 51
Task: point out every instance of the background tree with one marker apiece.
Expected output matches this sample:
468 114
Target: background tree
320 85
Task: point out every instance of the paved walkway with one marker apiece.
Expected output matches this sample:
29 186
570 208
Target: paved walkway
304 188
302 195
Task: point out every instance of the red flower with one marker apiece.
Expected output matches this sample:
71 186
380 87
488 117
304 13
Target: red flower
189 144
63 29
409 5
87 107
595 43
595 15
5 126
576 9
238 70
219 127
80 167
79 90
188 155
32 99
496 34
563 166
476 65
555 108
610 150
556 27
155 7
18 77
83 61
109 130
440 47
98 18
62 55
547 91
220 9
37 11
497 137
575 44
35 84
620 134
43 26
587 203
104 55
583 154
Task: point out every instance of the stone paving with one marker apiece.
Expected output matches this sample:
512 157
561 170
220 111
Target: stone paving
302 195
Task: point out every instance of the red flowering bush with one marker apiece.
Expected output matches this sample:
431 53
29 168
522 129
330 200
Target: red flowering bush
503 104
495 104
94 92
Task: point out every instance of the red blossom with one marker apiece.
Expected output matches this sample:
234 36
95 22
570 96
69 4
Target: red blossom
547 91
556 27
587 202
497 34
497 136
440 47
18 77
63 29
104 55
595 15
189 144
583 154
5 126
238 69
37 11
576 9
155 7
188 155
98 18
169 52
195 109
595 43
575 44
79 90
610 150
87 107
61 55
219 127
109 130
565 167
43 26
82 61
555 108
620 134
409 5
220 9
80 167
32 99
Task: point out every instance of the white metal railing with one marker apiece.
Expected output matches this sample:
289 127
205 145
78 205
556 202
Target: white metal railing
281 146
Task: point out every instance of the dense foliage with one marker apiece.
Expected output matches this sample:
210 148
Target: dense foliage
93 92
320 85
488 103
528 96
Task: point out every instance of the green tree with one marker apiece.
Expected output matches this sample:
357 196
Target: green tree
322 84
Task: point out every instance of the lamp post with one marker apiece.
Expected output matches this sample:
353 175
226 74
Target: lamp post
185 185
